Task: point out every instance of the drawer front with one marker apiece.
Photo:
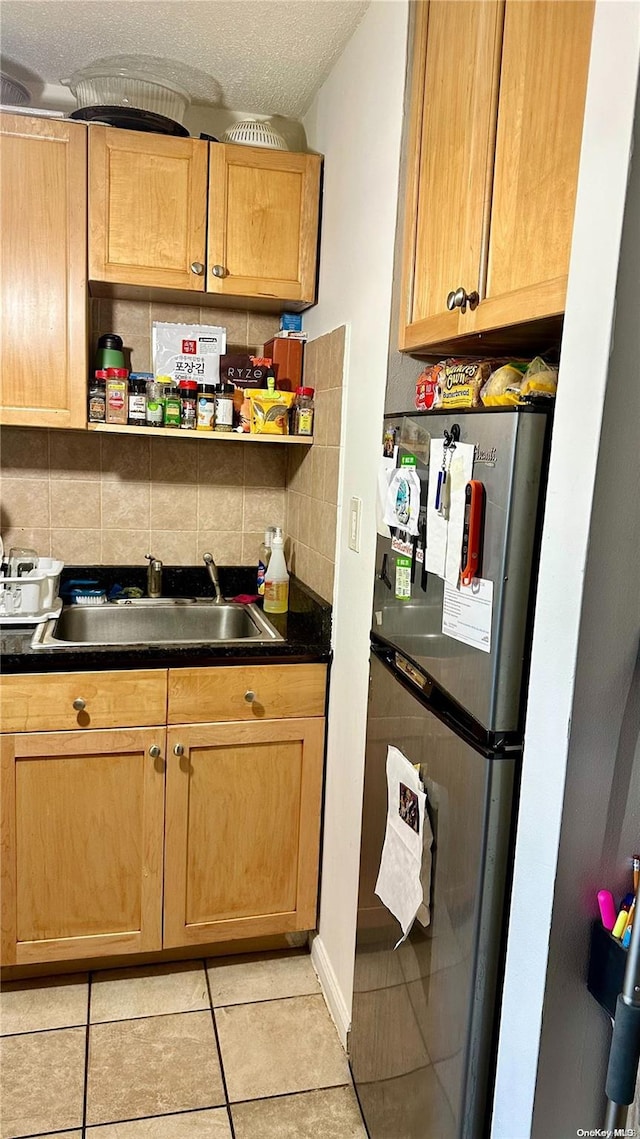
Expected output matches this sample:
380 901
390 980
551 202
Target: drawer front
270 692
45 703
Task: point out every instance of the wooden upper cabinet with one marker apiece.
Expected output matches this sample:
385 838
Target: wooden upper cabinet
543 83
454 97
147 209
263 223
43 246
82 827
497 107
242 829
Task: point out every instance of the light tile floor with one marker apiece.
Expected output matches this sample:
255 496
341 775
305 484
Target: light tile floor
230 1048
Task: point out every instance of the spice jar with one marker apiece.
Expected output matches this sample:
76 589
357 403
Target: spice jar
188 404
116 392
206 407
224 407
172 402
303 409
98 398
137 415
155 406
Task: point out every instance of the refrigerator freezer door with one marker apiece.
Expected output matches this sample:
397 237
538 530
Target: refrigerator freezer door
510 462
424 1014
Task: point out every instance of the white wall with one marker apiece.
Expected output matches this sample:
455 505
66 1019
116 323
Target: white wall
356 122
585 636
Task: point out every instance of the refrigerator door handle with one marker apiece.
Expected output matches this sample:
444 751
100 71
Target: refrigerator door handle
424 575
413 558
383 574
416 678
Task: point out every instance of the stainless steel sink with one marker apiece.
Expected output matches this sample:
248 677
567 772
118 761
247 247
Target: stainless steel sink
165 622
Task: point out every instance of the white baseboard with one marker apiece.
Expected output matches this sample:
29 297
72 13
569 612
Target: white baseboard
330 989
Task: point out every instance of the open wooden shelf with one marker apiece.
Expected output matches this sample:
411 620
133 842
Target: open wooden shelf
178 433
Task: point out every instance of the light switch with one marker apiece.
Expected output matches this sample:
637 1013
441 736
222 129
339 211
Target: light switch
355 511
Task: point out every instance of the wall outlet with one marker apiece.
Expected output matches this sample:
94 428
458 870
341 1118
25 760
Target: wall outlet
355 513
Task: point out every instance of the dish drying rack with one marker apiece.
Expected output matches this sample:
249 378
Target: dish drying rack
32 597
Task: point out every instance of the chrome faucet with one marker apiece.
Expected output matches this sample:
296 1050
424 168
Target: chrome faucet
213 574
154 576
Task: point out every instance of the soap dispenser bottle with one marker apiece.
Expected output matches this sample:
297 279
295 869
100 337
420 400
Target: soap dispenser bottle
276 584
264 556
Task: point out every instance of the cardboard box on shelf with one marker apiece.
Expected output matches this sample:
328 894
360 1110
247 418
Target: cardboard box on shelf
287 362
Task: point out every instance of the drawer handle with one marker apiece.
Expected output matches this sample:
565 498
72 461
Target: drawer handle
79 704
250 696
154 751
178 749
219 271
197 267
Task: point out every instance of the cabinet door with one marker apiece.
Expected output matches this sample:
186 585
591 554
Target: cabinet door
450 153
263 223
147 209
82 831
43 245
543 83
243 830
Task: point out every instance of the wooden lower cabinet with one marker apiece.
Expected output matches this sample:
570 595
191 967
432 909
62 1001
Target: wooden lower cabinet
98 825
82 836
242 829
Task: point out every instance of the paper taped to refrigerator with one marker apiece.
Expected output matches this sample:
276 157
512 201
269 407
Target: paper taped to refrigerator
399 882
467 612
424 912
386 467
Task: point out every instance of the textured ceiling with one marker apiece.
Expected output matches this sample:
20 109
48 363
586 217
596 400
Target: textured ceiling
270 56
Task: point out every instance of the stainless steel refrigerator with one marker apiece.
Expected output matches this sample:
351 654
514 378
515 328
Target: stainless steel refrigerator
425 1014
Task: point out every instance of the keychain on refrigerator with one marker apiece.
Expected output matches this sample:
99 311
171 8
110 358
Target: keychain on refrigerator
443 487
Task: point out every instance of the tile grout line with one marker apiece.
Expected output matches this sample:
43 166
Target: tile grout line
301 1091
131 1119
41 1032
356 1094
83 1128
220 1061
53 1134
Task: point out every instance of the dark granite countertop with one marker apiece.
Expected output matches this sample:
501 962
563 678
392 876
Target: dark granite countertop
306 628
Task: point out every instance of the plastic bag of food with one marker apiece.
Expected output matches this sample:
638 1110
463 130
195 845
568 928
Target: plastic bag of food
540 378
504 385
428 390
270 411
462 381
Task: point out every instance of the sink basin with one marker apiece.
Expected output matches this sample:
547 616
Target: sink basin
186 621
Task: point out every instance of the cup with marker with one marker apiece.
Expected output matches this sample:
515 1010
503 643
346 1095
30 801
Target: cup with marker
620 922
626 937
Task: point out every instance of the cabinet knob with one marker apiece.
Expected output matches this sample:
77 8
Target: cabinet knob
461 298
79 704
197 267
219 271
178 749
154 751
249 696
